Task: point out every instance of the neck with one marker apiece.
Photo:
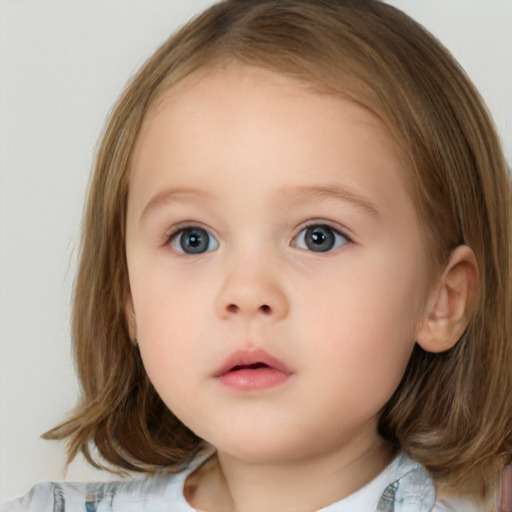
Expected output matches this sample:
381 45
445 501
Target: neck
299 485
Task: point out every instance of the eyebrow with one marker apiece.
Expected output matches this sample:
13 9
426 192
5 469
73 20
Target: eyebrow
335 192
173 195
301 193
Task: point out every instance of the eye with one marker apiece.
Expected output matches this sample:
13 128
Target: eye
193 240
319 238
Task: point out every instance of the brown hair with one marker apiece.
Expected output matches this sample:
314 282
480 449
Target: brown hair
452 410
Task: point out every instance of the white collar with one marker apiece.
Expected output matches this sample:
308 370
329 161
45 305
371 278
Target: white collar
403 486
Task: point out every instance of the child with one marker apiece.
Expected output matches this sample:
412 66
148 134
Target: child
294 288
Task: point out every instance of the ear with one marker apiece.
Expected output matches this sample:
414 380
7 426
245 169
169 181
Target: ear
449 302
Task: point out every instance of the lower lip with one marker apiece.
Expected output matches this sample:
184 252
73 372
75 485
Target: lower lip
253 380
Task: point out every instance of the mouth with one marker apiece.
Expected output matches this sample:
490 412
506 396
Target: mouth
251 370
254 366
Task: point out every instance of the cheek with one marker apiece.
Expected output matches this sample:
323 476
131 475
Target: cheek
166 323
163 303
167 343
364 320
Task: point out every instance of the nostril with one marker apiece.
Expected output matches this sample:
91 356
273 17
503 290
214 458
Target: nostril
232 308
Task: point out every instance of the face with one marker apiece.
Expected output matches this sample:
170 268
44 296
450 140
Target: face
274 259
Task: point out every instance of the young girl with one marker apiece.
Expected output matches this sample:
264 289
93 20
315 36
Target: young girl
294 288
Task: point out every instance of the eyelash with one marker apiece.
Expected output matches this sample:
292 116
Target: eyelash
324 232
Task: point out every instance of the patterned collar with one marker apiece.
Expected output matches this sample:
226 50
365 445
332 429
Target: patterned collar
414 491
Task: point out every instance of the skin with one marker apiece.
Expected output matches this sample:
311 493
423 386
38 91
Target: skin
243 153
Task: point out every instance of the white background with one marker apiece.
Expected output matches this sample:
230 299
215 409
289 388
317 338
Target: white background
62 65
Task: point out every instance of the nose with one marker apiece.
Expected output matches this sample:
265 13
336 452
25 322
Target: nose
252 292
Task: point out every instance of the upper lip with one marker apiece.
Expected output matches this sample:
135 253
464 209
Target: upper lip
248 357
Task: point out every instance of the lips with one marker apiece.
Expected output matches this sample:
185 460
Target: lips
252 369
251 359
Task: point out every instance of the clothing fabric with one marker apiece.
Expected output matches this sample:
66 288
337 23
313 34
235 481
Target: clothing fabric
403 486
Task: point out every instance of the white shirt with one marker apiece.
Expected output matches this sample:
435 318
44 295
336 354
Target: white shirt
403 486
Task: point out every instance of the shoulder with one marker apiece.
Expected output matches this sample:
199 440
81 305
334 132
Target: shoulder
413 490
39 498
153 494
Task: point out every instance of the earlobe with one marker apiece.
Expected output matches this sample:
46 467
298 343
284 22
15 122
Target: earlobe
449 302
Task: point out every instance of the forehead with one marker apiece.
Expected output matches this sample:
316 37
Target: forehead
235 121
256 103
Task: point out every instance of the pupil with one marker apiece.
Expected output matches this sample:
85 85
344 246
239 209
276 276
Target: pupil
194 241
319 238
